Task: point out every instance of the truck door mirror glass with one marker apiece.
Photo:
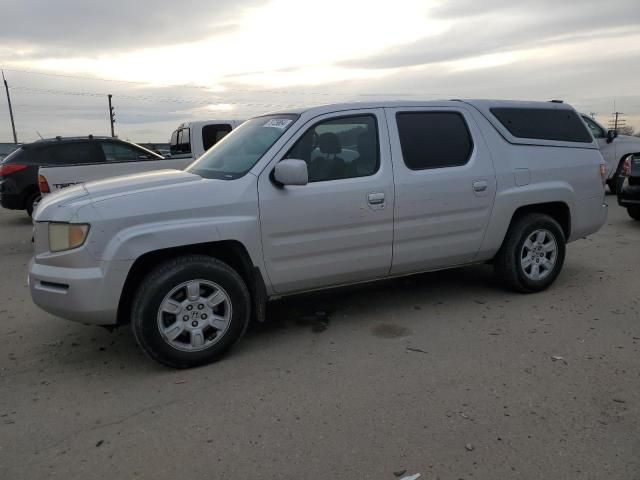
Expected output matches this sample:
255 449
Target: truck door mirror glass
291 172
611 134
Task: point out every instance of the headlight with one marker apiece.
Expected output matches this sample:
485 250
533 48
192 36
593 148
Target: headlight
65 236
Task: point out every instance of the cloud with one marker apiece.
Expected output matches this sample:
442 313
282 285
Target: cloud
505 26
64 28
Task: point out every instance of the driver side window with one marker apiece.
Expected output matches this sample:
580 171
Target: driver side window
340 148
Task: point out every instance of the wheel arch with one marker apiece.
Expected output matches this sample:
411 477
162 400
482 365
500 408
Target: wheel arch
559 211
231 252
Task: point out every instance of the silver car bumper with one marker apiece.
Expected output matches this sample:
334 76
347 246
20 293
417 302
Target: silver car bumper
85 295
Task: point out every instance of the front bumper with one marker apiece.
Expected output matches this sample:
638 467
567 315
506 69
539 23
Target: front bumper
628 195
88 295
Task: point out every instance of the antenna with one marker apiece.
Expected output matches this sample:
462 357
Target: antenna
41 137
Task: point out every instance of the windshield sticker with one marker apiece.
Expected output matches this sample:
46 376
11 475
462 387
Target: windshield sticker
278 123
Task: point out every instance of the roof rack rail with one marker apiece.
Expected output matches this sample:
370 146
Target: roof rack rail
556 101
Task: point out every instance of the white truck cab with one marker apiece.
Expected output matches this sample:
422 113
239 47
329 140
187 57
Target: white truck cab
614 148
192 139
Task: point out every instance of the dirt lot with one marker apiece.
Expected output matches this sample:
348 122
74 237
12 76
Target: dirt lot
441 374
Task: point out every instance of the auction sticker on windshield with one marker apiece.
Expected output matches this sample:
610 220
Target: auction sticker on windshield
278 123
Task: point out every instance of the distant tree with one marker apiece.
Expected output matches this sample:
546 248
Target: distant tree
626 130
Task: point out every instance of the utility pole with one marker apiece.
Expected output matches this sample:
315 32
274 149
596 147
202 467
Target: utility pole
616 122
112 116
13 125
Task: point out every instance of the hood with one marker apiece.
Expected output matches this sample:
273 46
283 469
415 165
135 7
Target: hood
62 198
64 205
130 184
628 139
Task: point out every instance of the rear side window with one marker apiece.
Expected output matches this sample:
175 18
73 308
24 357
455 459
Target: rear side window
434 139
69 154
212 134
543 124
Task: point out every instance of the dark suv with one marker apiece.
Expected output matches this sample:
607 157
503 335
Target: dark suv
19 170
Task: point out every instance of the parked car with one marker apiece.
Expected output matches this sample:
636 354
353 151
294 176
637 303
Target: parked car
614 149
192 139
277 209
110 158
629 186
7 148
19 189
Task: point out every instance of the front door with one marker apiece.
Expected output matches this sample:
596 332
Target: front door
445 187
338 228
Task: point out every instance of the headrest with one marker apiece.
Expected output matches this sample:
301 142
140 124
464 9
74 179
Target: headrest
329 143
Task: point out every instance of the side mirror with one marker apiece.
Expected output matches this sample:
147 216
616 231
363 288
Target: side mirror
291 172
611 134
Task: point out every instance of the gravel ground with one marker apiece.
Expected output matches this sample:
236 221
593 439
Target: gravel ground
443 374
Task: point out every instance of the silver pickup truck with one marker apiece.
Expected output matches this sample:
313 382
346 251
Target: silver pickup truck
318 198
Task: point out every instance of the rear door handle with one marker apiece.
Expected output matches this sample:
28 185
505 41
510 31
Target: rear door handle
480 186
375 198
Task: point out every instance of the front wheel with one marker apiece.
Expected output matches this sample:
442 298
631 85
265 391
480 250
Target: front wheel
189 311
532 254
634 212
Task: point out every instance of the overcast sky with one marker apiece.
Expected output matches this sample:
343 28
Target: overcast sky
166 62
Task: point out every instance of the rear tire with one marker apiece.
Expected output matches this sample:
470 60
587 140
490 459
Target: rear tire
634 212
32 203
532 254
190 311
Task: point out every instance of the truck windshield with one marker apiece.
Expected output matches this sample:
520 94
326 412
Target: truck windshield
239 151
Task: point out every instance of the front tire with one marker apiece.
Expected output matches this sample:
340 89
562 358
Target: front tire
634 212
190 311
532 254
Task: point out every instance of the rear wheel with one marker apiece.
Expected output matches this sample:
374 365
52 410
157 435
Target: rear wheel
189 311
32 203
634 212
532 254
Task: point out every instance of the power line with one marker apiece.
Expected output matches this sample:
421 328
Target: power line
227 90
164 99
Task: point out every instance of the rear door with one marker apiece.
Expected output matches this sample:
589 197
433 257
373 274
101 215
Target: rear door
445 187
339 227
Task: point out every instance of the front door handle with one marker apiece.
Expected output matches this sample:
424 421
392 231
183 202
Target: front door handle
480 186
375 198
